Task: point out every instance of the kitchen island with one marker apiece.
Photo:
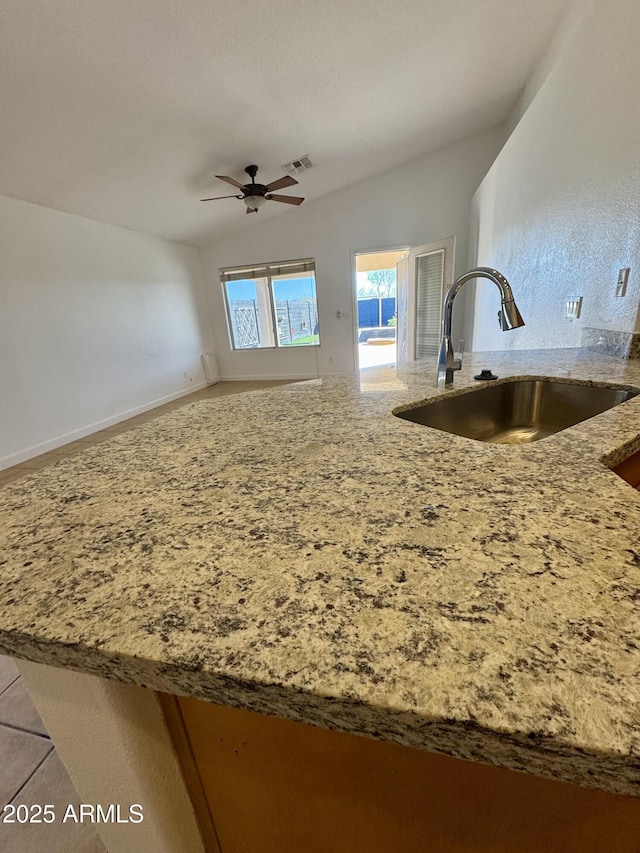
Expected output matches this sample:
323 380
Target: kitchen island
302 553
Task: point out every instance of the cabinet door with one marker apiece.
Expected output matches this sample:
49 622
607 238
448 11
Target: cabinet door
275 786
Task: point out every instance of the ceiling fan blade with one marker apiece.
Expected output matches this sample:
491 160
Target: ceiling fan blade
281 183
230 181
215 198
287 199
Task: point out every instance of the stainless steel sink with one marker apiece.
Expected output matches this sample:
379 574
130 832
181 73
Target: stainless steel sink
518 411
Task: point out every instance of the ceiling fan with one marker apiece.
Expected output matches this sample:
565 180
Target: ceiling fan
254 195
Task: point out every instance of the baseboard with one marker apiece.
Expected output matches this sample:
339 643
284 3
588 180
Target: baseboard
74 435
262 376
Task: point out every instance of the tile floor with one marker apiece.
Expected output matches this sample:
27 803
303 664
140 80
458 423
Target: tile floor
32 774
221 389
30 770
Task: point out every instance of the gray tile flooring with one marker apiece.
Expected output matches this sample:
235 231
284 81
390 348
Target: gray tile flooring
30 769
31 774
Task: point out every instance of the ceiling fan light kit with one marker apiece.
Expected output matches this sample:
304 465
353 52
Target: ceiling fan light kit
255 195
254 201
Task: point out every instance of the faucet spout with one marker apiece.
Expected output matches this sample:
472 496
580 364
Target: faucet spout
508 318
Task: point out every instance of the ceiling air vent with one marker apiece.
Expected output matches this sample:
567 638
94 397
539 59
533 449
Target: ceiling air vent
299 165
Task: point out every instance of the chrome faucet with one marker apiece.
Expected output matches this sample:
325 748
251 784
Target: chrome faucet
508 318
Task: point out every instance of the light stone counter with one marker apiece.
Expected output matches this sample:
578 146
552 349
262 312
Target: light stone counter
304 553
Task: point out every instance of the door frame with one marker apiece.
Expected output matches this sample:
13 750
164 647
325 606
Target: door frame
402 247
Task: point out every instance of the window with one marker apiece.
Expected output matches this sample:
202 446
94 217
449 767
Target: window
272 305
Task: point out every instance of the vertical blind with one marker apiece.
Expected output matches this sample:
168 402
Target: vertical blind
429 283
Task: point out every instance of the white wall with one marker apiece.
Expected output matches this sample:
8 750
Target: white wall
559 211
416 203
96 323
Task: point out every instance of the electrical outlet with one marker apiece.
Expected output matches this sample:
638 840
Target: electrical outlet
621 284
574 306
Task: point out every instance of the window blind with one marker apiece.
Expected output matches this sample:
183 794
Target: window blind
289 268
429 281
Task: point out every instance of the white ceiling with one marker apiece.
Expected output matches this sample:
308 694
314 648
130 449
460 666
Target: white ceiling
124 110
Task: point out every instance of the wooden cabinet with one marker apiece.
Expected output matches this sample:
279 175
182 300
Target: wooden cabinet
265 785
629 470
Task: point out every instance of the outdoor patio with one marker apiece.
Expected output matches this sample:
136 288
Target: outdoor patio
376 355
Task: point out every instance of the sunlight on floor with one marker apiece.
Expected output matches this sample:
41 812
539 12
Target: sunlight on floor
376 355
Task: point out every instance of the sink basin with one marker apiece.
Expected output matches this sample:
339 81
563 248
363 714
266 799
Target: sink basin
518 411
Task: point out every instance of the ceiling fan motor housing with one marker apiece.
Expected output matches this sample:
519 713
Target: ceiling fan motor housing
255 189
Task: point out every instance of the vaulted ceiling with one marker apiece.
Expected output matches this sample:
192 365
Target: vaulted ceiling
123 111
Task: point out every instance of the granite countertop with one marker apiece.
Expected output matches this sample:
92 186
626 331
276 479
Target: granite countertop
302 552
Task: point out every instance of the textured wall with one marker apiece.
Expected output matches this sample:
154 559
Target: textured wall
559 211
